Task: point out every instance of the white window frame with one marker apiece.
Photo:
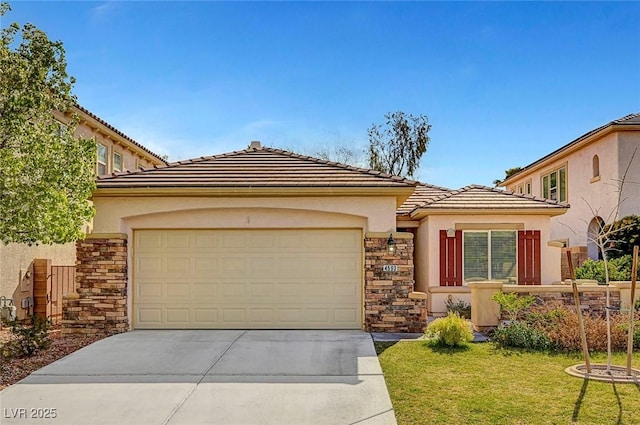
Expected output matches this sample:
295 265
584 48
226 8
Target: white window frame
488 232
557 187
101 163
118 170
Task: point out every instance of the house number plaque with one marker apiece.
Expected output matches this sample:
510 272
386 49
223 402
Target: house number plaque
389 268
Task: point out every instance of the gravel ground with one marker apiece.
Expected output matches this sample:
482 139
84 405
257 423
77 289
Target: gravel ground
13 370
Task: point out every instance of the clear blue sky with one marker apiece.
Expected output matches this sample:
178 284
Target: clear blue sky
502 83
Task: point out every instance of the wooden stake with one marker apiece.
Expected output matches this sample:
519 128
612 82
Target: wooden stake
634 273
576 297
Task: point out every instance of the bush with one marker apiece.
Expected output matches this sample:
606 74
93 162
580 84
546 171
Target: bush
619 269
626 237
636 333
29 336
461 307
560 324
519 334
513 303
451 331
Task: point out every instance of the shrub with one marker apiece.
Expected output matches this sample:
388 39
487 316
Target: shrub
636 333
451 331
461 307
513 303
626 237
519 334
560 324
29 336
619 269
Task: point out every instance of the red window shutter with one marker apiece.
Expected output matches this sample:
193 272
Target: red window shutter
529 268
450 259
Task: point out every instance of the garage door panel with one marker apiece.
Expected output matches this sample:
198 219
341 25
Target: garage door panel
177 240
176 316
177 265
204 290
205 265
205 316
247 279
150 316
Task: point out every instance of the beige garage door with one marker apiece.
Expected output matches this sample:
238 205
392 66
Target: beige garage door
270 279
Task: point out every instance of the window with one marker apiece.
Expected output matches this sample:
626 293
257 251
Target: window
596 166
520 189
527 188
510 256
102 160
554 185
117 162
490 255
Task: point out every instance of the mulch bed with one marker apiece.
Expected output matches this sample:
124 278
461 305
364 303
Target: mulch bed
13 370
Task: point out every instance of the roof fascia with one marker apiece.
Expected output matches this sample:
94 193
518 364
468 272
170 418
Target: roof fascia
421 213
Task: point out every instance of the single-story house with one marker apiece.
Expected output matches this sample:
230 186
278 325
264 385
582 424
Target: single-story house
264 238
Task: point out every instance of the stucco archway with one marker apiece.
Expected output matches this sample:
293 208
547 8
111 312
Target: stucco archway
595 226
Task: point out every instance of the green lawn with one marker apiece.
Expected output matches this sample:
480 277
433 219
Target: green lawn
485 385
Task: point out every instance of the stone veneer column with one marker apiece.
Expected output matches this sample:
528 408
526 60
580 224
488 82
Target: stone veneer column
100 303
390 303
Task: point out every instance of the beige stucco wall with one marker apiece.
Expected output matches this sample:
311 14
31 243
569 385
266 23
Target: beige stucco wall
16 259
628 142
584 192
122 214
428 278
115 145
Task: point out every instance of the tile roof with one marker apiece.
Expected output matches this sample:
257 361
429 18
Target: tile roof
120 133
477 197
628 120
422 194
251 168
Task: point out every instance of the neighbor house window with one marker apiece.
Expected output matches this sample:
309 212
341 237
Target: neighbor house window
527 188
117 162
554 185
520 189
102 160
490 255
596 166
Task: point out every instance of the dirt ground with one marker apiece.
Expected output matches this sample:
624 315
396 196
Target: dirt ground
13 370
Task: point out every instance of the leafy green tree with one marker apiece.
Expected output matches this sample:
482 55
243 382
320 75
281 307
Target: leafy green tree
396 146
46 173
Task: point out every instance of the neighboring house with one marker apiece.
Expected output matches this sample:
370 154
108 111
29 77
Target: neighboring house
116 152
586 173
264 238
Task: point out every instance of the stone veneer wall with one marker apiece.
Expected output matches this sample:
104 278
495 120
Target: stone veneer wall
390 303
591 302
100 303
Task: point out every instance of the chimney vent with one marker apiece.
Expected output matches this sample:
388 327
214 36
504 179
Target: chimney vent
255 144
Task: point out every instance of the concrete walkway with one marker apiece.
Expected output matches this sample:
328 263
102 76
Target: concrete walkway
208 377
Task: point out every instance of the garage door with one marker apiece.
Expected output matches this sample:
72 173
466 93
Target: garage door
269 279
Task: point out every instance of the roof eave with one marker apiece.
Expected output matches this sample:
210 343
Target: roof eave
568 149
420 213
400 193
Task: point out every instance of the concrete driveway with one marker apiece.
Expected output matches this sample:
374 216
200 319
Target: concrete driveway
208 377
